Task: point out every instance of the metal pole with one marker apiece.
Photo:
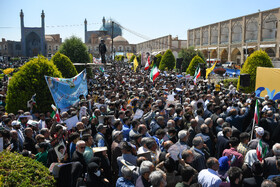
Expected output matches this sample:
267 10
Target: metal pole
112 40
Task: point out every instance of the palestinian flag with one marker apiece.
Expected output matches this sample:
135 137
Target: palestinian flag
197 74
55 114
261 151
154 73
257 113
147 65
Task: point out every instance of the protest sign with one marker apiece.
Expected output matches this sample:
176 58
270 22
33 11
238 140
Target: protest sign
138 114
60 150
71 122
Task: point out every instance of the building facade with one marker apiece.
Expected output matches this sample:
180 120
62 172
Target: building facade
235 39
120 44
160 45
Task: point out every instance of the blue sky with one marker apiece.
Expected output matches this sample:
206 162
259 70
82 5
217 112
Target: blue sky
151 18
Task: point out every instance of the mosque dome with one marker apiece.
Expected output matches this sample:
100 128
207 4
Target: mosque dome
108 27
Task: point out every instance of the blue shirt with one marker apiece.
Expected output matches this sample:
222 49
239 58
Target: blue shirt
88 154
209 177
122 182
72 149
101 142
126 130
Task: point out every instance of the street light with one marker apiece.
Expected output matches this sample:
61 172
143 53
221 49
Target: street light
209 61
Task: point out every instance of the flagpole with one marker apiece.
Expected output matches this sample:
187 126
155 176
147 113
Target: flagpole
253 127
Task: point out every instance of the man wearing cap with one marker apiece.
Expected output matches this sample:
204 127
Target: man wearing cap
99 137
16 126
254 143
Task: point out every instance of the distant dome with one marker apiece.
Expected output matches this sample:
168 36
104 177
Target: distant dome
108 27
120 39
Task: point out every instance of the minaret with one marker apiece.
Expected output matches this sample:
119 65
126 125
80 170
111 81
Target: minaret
85 30
43 44
23 51
103 21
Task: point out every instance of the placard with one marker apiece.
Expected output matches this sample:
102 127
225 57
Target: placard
71 122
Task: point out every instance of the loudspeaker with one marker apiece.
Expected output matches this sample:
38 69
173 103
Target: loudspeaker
245 80
179 63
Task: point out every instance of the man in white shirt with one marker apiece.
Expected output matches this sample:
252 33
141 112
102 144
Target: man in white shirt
209 177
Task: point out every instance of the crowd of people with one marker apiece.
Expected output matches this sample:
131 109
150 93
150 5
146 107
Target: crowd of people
136 132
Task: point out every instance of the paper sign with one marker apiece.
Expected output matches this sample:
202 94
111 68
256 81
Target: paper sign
83 112
1 144
138 114
71 122
169 103
170 98
60 150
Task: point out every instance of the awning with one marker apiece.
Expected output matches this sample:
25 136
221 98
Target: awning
248 47
267 45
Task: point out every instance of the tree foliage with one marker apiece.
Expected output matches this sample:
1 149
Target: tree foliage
188 54
76 50
132 58
197 60
64 65
167 61
28 81
257 59
17 170
157 60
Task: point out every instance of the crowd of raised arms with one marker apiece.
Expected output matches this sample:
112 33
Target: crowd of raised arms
136 132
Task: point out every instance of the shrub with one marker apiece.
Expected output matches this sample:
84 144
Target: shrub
17 170
188 54
193 65
167 61
157 62
64 65
28 81
227 82
220 71
257 59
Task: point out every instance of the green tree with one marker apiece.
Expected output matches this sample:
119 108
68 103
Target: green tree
76 50
64 65
28 81
188 54
18 170
132 58
158 59
167 61
257 59
196 61
90 58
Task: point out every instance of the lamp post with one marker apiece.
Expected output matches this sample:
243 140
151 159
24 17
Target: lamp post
112 36
209 61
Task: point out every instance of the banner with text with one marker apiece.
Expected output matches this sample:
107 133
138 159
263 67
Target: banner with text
66 91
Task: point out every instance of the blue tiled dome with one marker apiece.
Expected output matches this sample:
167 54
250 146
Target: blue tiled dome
108 27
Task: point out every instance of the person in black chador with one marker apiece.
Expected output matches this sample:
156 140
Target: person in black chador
102 51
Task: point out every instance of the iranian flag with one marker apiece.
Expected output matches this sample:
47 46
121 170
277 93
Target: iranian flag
154 73
261 151
147 65
257 113
256 117
197 74
55 114
149 60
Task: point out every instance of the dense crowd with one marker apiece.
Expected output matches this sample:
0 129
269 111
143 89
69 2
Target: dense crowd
136 132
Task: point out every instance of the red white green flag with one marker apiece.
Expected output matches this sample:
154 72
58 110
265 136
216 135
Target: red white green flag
147 65
257 113
154 73
196 74
55 114
261 151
